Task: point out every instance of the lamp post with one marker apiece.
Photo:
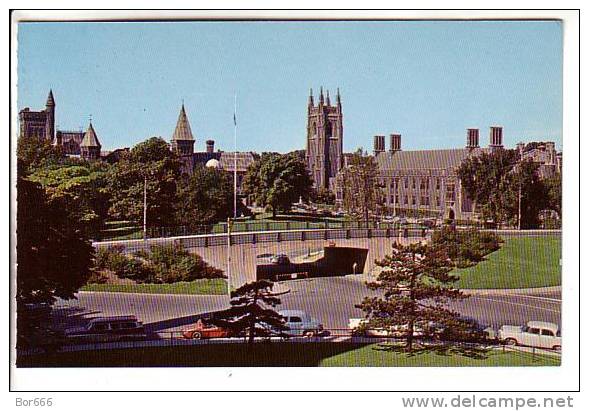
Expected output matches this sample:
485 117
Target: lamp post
229 258
145 207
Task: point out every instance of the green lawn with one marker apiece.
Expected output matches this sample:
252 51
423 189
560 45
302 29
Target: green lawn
376 356
214 286
279 354
523 262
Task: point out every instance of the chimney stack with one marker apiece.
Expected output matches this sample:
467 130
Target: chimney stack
496 137
472 138
395 142
210 146
378 145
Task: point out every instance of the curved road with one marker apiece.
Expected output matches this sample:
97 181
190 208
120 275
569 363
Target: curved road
330 300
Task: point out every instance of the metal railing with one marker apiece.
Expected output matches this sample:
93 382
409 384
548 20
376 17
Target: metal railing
212 240
135 232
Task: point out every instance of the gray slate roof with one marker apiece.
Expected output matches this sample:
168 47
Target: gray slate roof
182 131
425 159
90 139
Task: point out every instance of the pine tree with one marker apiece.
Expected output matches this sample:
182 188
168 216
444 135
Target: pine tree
250 314
417 285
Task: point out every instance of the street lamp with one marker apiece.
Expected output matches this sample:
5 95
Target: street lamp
229 257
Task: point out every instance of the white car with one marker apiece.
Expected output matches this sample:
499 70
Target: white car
396 331
534 334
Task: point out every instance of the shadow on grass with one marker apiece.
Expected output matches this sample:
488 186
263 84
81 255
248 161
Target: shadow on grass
473 351
260 354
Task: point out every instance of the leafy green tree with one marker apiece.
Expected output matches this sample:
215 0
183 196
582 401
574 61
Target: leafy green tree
205 197
489 180
34 153
417 285
323 196
362 193
554 190
529 193
149 163
277 181
53 255
252 312
81 188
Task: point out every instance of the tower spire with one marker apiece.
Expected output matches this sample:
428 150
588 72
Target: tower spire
50 100
311 102
328 101
321 95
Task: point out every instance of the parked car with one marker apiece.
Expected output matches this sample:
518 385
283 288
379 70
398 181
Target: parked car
301 324
108 329
202 330
280 259
358 326
534 334
471 330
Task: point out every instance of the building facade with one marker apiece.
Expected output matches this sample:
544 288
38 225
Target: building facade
325 133
183 141
425 182
41 125
38 124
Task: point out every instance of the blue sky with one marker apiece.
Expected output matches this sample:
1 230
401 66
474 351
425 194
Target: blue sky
427 80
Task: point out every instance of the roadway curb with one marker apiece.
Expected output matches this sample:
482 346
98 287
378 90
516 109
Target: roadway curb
503 291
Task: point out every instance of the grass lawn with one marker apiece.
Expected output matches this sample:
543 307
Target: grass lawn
523 262
279 354
215 286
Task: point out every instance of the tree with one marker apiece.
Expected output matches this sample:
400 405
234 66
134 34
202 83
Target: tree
149 163
488 179
249 313
361 189
53 260
277 181
554 189
34 153
81 188
205 197
530 194
53 255
323 196
417 285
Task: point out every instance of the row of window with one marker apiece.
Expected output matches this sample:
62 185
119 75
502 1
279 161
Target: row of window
423 183
412 200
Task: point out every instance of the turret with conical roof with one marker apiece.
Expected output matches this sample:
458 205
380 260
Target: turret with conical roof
90 146
182 139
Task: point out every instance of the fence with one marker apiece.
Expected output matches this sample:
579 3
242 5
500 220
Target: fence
135 232
212 240
333 335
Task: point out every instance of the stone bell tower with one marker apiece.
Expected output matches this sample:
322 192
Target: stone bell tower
324 140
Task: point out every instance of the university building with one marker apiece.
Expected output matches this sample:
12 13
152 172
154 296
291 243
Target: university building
183 141
415 182
85 144
41 125
325 135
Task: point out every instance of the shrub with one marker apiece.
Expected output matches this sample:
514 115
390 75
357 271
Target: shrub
466 247
161 264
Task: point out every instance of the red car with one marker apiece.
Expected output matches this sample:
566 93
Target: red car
201 330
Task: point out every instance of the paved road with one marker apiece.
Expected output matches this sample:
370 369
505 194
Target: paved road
330 300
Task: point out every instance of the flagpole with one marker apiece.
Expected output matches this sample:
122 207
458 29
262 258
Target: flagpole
235 158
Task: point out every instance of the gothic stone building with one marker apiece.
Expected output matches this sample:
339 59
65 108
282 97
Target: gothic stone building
325 134
425 182
41 125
